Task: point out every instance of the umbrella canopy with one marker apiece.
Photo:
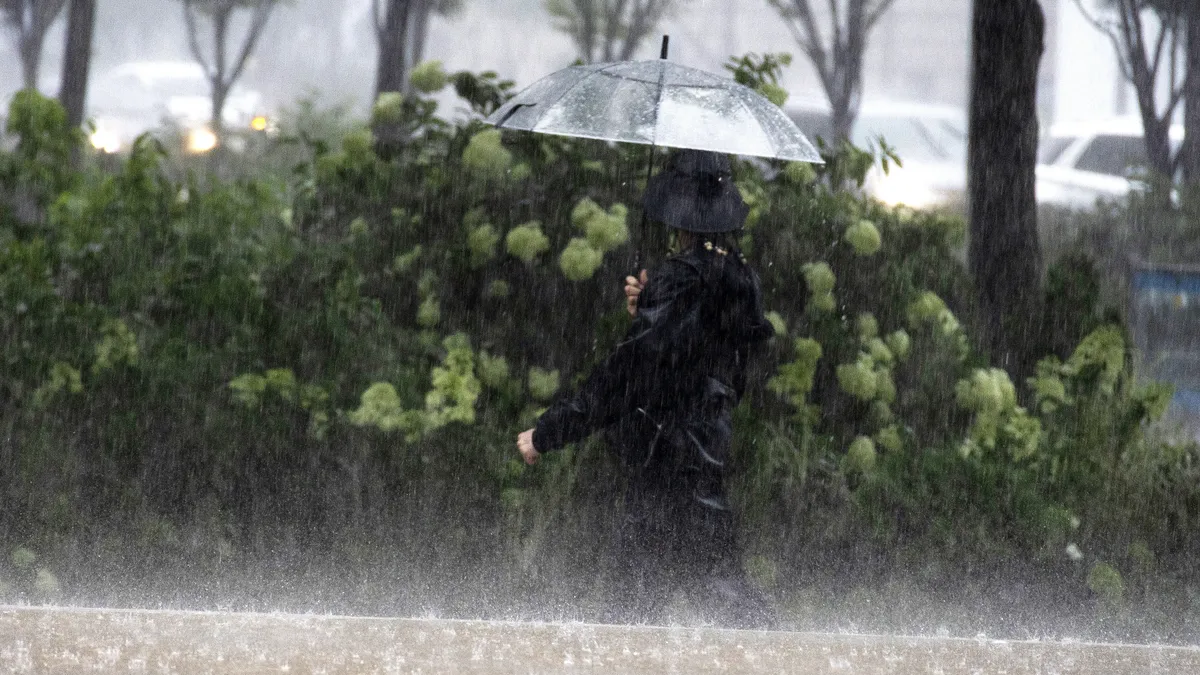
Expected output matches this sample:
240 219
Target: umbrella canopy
656 103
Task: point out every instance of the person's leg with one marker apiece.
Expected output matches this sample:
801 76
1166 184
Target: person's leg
721 590
640 591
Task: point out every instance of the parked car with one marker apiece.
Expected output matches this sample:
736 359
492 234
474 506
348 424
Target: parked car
1081 163
931 141
142 96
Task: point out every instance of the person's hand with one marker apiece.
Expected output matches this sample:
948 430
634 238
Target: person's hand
633 288
525 446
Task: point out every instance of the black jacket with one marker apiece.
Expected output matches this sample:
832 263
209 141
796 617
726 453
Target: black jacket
665 395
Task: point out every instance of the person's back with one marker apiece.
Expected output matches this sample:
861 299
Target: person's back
695 325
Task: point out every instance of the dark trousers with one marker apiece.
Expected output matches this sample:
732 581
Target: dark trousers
670 542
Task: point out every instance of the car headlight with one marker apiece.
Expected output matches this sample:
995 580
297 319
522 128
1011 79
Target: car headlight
105 140
201 140
899 188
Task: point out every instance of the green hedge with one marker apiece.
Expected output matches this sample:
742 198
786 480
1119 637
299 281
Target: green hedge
206 369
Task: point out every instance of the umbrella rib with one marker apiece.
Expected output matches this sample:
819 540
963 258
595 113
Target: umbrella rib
770 139
618 76
533 127
739 97
611 101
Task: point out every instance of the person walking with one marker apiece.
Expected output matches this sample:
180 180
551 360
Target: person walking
664 399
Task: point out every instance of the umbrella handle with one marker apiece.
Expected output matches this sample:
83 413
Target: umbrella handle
644 240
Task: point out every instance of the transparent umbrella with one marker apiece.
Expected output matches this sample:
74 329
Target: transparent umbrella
657 103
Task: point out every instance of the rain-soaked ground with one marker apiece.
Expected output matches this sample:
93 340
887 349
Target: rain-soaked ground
68 640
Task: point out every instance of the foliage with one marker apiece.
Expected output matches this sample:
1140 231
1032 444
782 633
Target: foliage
526 241
486 157
1105 581
23 578
428 77
353 351
579 261
864 237
761 74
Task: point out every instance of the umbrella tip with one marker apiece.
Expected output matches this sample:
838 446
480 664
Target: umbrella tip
665 44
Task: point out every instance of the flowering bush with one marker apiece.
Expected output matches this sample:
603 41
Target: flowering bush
543 384
526 241
428 77
486 157
482 244
864 237
282 340
579 260
861 456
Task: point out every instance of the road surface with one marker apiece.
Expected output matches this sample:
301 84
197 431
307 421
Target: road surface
70 640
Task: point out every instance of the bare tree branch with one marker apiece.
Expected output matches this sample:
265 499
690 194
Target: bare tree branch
30 20
1142 65
262 12
612 26
816 50
1092 18
221 73
194 36
608 29
1113 36
876 14
837 58
1156 60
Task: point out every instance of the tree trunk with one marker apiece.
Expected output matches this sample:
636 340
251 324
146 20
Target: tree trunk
638 29
856 44
418 37
614 15
841 118
1004 254
220 83
843 97
219 94
31 57
1190 157
81 23
588 14
392 70
1156 130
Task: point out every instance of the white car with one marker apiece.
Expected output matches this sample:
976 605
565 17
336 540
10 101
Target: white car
1082 163
931 141
137 97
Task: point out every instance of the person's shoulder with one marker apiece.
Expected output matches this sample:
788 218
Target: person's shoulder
673 278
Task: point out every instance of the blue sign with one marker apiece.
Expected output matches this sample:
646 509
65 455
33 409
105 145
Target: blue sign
1165 322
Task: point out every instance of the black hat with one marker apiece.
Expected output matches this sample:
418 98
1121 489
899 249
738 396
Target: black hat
696 193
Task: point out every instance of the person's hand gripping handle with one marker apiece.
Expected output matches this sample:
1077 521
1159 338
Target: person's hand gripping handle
633 289
525 447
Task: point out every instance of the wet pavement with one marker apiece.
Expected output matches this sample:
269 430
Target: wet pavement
61 640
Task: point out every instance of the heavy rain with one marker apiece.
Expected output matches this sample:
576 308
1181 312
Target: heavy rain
525 336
